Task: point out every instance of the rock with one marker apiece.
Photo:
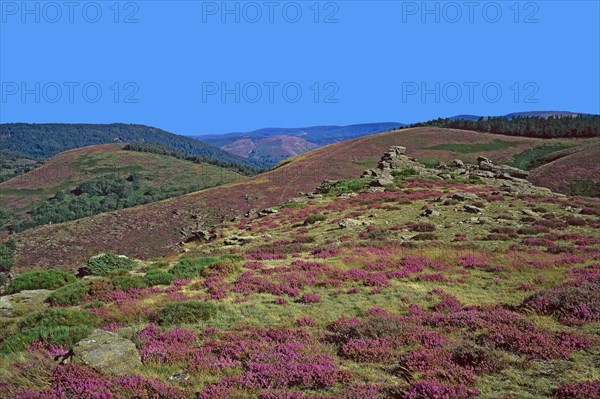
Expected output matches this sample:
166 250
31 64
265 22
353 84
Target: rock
107 353
397 149
6 307
349 223
472 209
180 376
503 171
481 159
383 180
238 240
430 213
465 196
529 212
347 195
442 165
270 211
457 163
446 176
24 301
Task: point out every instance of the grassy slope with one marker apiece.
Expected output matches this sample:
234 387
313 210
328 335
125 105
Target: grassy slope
561 173
70 168
156 229
505 274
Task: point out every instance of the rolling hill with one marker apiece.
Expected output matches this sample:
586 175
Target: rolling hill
447 288
46 140
572 172
161 175
272 145
157 229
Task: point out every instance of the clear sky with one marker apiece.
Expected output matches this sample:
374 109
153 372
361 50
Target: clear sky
194 67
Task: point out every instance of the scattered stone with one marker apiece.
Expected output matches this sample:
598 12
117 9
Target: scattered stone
430 213
180 376
349 223
457 163
350 195
529 212
465 196
107 353
6 307
472 209
238 240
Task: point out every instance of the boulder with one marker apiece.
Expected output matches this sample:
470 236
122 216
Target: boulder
238 240
465 196
457 163
430 213
6 307
472 209
107 353
349 223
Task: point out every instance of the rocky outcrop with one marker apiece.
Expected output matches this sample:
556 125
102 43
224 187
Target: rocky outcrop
509 180
107 353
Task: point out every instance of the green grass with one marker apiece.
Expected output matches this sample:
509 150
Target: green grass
530 158
495 145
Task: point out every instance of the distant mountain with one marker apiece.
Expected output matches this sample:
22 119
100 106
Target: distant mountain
529 114
48 139
272 145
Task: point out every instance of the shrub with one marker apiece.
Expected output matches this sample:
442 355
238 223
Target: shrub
72 294
527 230
158 277
125 283
40 279
571 304
55 326
186 312
424 237
575 221
104 264
7 255
480 359
404 172
189 268
314 218
310 297
579 390
422 227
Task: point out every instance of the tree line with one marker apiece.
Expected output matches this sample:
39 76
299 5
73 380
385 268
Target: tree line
551 127
161 149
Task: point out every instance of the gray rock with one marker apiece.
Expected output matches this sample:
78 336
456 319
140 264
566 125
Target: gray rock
107 353
349 223
457 163
529 212
465 196
472 209
6 307
238 240
430 213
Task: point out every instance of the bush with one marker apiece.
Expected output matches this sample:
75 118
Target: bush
158 277
72 294
124 283
40 279
55 326
314 218
186 312
104 264
575 221
7 255
422 227
189 268
424 237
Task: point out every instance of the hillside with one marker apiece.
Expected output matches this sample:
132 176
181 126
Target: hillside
444 284
270 150
272 145
576 172
157 229
12 165
46 140
160 175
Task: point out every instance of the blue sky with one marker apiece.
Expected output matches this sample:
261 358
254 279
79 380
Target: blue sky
194 67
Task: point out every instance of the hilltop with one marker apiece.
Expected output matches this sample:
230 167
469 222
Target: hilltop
43 140
462 281
43 192
158 229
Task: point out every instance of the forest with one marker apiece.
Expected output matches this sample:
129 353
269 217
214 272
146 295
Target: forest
552 127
